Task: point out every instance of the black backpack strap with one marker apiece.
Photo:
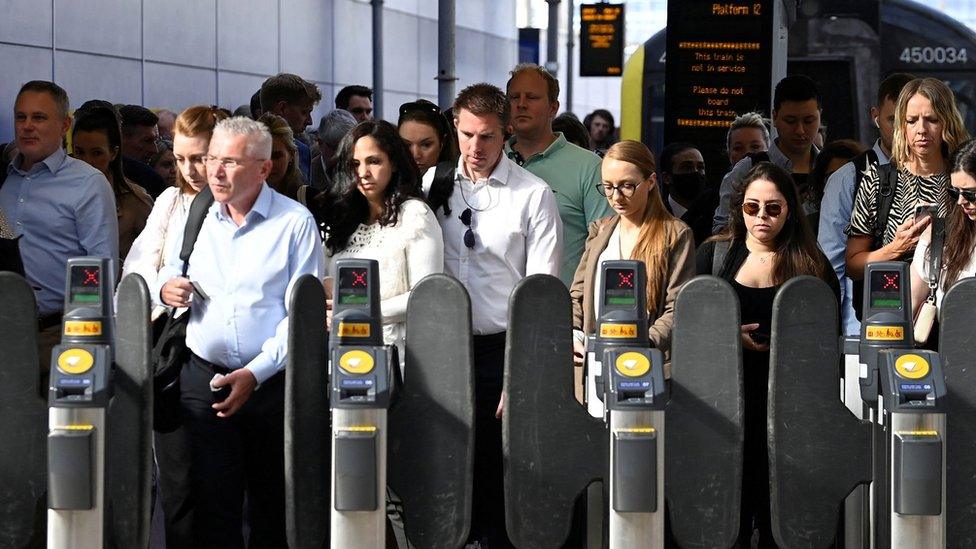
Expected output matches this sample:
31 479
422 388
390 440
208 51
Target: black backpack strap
441 189
885 198
936 248
862 163
719 253
194 221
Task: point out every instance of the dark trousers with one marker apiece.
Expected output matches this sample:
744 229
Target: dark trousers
488 502
231 455
172 452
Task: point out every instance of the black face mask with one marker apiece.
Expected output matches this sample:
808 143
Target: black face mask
687 185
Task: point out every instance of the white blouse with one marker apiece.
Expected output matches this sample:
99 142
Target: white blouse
163 233
407 252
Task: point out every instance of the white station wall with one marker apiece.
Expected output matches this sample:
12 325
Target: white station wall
178 53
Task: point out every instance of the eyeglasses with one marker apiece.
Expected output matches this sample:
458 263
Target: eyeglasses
465 218
626 189
955 193
227 163
773 209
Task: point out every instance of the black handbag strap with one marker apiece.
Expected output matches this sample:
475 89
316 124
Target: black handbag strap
194 221
935 254
888 183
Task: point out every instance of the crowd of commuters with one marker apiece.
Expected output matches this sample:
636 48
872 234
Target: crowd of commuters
492 190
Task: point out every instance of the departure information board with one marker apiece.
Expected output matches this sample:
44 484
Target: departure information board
601 39
719 65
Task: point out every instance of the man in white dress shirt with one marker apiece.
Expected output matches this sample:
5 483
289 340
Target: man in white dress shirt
500 224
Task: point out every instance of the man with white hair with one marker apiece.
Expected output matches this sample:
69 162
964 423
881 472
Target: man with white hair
253 246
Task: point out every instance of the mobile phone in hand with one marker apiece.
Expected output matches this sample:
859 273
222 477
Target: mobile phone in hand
926 210
759 337
198 292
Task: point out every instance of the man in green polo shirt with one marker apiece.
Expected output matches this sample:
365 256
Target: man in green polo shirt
572 172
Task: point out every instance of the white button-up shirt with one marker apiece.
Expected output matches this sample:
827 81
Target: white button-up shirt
517 233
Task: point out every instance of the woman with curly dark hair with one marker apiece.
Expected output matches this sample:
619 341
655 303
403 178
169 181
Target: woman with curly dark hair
767 242
382 215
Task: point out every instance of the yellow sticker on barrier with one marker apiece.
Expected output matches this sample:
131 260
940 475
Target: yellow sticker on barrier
356 362
912 366
82 328
75 361
353 329
620 331
885 333
632 364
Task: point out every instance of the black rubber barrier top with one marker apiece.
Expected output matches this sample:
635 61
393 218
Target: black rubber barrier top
128 445
553 447
431 445
23 418
818 450
957 340
308 432
704 431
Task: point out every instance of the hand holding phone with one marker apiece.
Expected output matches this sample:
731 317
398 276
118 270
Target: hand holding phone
198 292
925 210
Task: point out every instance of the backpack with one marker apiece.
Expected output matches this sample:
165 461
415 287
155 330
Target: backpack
441 189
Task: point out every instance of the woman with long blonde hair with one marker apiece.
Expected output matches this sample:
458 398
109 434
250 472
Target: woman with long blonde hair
928 130
641 228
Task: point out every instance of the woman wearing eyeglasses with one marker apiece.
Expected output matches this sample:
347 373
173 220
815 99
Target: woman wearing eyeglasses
958 257
427 133
768 241
383 216
641 228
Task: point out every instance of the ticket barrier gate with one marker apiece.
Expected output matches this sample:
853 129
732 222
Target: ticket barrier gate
98 493
819 451
428 434
554 448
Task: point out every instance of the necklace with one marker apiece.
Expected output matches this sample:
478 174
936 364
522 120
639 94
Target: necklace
763 259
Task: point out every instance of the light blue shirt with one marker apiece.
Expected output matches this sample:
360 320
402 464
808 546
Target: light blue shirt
63 208
835 216
247 273
738 173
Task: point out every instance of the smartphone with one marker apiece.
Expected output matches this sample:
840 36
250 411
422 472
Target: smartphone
219 394
759 337
926 210
198 292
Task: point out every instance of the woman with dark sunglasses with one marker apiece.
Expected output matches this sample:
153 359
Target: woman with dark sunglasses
382 215
641 228
767 242
958 259
427 133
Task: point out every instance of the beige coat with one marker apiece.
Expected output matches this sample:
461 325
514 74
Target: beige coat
681 268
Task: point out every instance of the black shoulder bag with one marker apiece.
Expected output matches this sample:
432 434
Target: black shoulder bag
169 348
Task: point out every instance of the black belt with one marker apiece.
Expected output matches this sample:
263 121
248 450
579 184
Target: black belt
215 368
49 320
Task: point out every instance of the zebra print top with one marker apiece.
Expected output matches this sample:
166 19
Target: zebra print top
911 190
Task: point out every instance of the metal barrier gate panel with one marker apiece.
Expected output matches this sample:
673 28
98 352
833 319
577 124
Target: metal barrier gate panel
129 454
23 418
957 340
704 418
307 429
818 450
553 448
431 444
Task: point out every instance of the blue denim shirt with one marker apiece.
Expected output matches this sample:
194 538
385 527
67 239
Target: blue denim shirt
63 208
835 216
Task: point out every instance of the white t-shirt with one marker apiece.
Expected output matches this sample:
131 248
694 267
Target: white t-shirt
920 264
